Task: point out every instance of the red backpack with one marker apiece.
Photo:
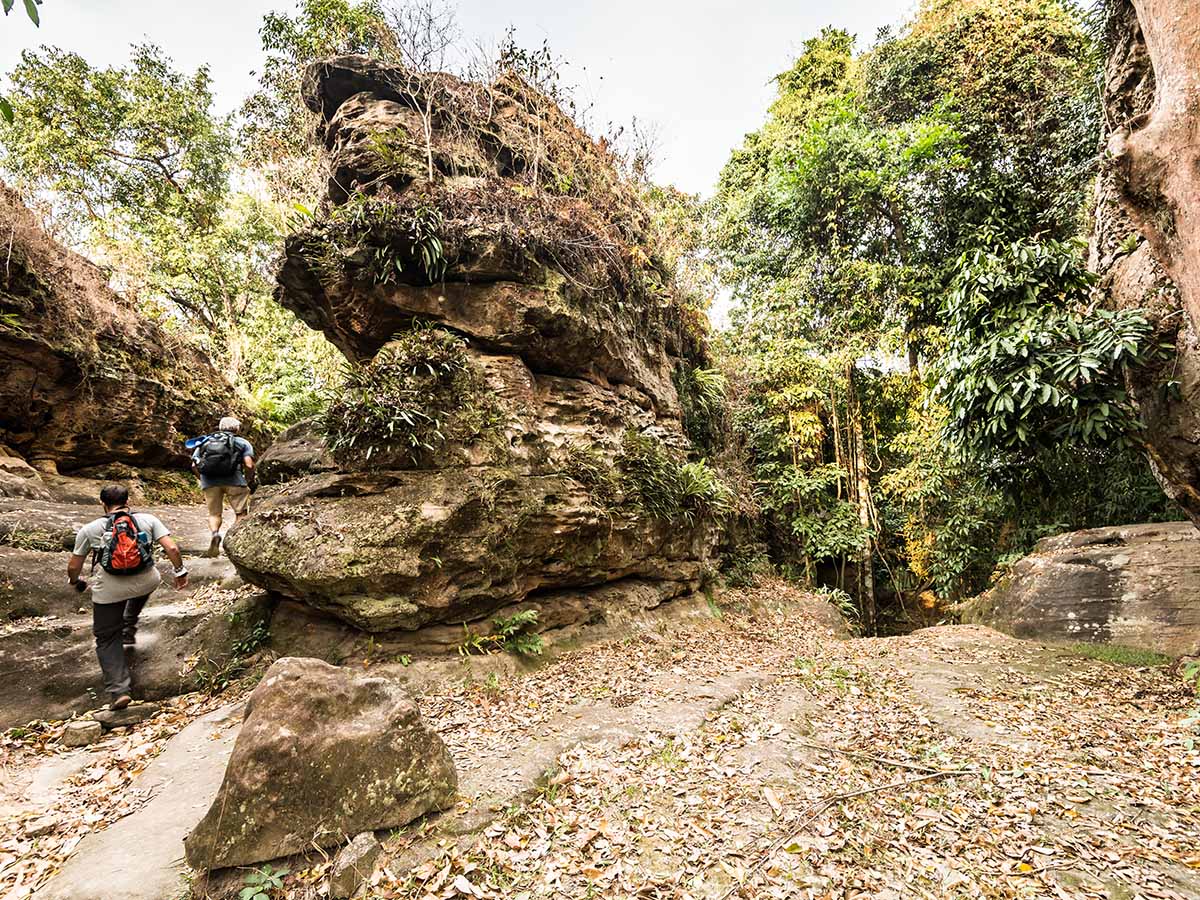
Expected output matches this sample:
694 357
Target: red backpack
128 550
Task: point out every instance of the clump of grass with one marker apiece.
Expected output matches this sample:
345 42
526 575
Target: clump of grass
386 241
34 539
420 392
1119 655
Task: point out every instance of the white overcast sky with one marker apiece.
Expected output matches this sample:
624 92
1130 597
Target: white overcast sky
701 71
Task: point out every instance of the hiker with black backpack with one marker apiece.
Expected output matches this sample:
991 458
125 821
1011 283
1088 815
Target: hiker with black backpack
121 545
225 464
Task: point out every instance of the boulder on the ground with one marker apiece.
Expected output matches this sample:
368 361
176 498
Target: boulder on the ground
298 451
324 754
82 732
18 478
1135 586
133 714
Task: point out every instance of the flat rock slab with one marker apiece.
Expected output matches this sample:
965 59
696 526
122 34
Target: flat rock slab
130 715
140 857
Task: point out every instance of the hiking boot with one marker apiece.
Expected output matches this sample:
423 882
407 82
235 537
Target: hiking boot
214 546
121 702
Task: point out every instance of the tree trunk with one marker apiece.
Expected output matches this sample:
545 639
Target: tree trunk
862 496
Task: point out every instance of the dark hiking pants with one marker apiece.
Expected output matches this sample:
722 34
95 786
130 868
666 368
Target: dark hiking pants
110 623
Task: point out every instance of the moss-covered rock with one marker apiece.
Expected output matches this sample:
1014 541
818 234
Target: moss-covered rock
511 426
324 753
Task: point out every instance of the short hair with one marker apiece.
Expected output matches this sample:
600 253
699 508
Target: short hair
113 495
229 423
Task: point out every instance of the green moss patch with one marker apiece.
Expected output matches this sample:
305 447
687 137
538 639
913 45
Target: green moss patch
1119 655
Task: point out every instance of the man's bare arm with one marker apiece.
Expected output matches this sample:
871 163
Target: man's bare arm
172 550
74 567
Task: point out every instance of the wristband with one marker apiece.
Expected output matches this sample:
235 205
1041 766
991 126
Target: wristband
180 573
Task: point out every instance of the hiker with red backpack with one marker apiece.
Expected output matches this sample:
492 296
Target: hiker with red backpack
121 545
224 463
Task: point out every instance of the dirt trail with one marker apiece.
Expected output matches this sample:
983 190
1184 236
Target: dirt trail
755 755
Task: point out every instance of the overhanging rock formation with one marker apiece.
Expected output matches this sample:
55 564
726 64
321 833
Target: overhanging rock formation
86 380
500 274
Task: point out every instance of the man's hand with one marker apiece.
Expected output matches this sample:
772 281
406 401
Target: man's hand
181 582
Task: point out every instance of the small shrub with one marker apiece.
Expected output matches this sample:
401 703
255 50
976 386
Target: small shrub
702 402
844 604
512 634
394 240
743 564
261 883
657 482
419 392
515 635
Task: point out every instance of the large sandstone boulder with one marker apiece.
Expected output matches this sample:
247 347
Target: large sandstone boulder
325 754
514 307
85 379
1135 586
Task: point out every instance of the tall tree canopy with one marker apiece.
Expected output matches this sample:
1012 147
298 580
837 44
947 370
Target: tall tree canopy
913 323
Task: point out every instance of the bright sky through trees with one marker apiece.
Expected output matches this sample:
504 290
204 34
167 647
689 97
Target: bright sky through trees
700 70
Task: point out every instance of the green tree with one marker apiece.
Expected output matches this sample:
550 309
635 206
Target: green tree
130 164
277 128
903 218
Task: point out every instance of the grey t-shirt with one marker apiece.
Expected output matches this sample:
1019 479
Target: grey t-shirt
108 588
238 478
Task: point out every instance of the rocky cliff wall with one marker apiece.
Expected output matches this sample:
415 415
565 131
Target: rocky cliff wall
516 431
85 380
1167 393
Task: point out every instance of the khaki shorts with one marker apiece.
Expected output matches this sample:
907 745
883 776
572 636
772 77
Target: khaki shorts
239 500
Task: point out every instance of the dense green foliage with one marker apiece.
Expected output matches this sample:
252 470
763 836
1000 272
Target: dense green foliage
1028 363
925 385
418 393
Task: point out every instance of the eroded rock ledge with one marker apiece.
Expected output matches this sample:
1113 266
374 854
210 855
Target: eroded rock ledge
87 381
559 461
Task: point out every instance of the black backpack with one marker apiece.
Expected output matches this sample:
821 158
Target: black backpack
219 456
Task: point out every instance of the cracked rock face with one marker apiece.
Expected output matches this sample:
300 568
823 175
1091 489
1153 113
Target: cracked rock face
324 753
549 279
1137 193
87 381
1135 586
